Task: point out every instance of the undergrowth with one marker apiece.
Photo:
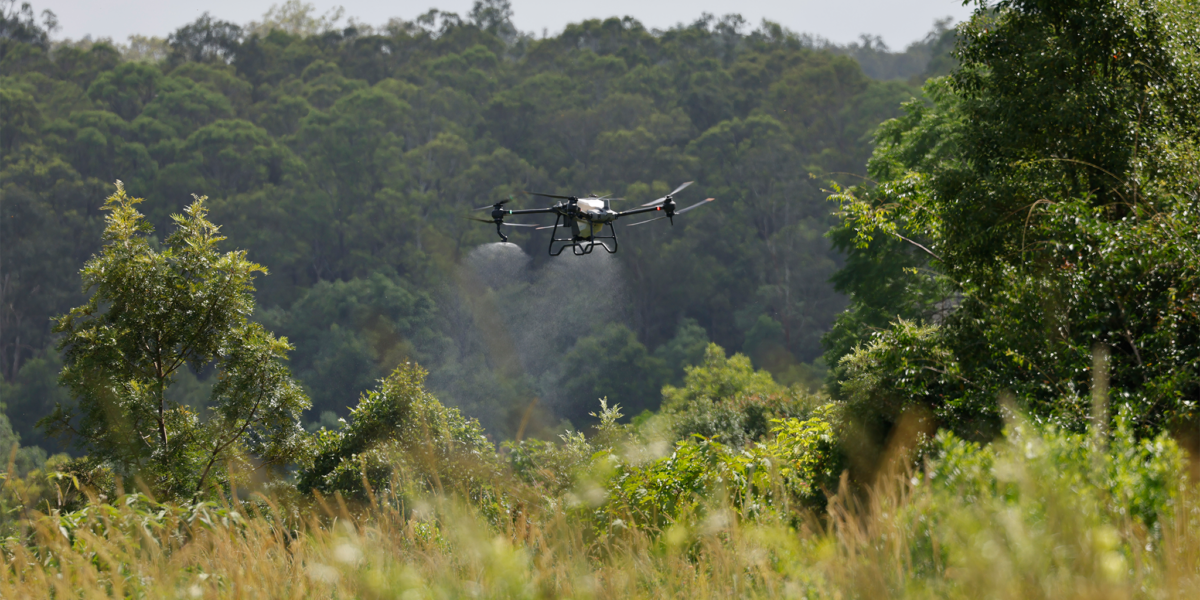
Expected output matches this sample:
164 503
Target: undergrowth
1037 514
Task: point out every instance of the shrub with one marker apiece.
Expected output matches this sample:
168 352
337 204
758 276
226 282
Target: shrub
907 366
400 437
1041 512
726 399
790 472
153 313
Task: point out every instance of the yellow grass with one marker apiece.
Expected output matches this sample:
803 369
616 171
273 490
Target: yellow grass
868 546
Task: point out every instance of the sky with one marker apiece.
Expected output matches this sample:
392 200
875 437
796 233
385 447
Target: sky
841 21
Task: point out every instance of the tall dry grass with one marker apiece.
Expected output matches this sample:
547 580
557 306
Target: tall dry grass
904 537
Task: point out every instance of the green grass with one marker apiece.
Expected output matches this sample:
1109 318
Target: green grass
1039 514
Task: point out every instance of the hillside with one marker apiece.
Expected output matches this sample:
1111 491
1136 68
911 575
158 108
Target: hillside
343 160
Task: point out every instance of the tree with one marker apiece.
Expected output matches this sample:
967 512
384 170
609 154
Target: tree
1059 206
152 313
888 277
205 39
494 16
333 154
297 18
19 25
725 397
611 363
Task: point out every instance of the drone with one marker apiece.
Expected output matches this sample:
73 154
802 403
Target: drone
584 219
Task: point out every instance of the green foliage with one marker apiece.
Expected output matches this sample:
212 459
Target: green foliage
348 334
1049 188
887 276
20 459
98 525
33 482
153 312
927 57
334 154
1050 500
792 470
718 377
684 350
399 439
615 365
32 395
726 399
807 455
908 366
551 468
19 25
1039 514
578 464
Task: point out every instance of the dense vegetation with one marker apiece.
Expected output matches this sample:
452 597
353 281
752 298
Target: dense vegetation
1013 388
1034 223
343 158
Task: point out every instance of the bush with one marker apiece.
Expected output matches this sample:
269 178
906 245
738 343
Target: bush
400 437
549 467
907 366
1042 512
788 473
726 399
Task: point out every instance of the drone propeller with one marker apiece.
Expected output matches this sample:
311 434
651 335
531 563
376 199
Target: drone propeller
502 223
548 195
646 221
678 212
496 205
696 205
664 198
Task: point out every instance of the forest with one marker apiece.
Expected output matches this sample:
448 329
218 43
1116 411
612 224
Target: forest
937 336
343 161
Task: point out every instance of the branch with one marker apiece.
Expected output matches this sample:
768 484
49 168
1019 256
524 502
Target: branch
927 250
222 446
1129 335
207 318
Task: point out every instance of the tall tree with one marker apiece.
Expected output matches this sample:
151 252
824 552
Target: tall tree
1060 203
155 312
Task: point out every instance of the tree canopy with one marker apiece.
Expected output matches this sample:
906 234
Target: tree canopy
342 157
1038 210
154 312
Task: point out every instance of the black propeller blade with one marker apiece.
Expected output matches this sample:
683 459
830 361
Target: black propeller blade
548 195
664 198
498 204
678 212
505 224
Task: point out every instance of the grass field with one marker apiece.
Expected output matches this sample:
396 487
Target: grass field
1037 515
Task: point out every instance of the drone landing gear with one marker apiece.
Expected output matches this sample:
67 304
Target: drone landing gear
579 244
